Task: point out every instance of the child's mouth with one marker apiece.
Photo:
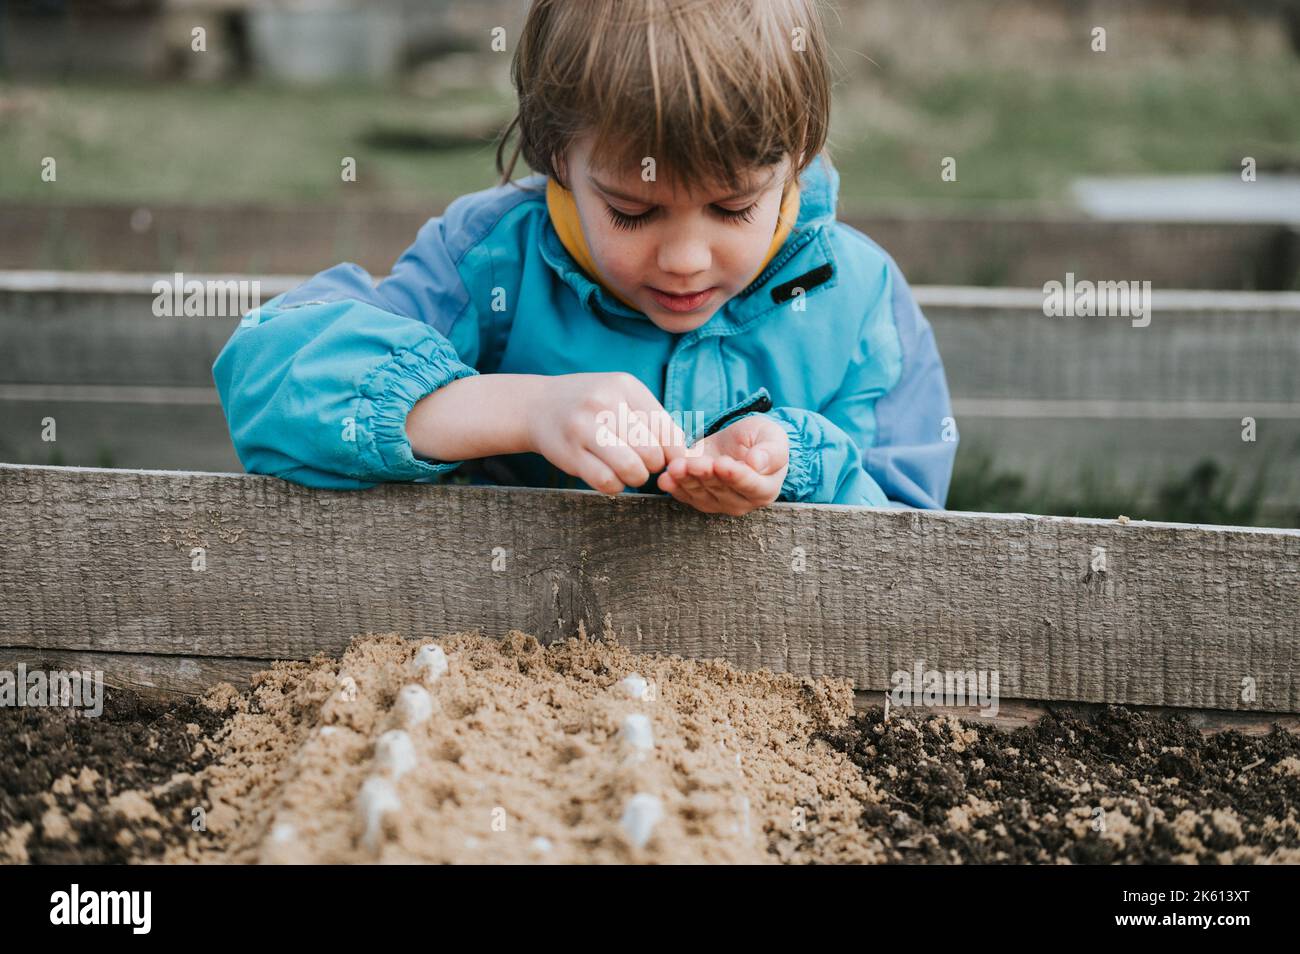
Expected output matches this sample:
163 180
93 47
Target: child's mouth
681 303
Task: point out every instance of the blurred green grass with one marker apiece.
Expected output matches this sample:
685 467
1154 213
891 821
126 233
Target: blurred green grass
1017 135
231 144
1207 493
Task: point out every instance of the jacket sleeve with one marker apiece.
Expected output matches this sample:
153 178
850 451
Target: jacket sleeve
316 384
887 437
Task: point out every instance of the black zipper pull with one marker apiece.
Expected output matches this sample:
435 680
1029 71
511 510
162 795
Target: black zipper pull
761 403
785 291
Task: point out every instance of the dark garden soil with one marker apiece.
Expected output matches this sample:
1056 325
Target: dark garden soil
1122 786
70 785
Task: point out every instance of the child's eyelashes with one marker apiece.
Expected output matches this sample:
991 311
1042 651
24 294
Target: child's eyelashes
625 222
738 215
629 223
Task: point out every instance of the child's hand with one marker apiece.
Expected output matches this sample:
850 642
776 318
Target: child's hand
604 428
740 468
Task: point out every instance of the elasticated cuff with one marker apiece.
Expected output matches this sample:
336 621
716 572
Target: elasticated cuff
804 471
391 391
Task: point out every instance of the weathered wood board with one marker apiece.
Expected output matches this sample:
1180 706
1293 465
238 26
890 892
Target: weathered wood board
1019 713
1208 349
212 567
156 676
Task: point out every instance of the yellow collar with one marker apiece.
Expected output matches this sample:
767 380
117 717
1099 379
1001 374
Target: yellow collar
564 216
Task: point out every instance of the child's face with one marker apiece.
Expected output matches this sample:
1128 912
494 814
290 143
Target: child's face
646 241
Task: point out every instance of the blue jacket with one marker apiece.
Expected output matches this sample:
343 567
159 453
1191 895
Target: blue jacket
317 383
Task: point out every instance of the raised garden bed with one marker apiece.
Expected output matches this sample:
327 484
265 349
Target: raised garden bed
754 633
525 753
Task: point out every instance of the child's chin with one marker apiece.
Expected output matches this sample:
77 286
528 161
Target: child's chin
680 323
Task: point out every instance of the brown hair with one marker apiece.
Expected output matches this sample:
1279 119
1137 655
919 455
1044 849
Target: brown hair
711 89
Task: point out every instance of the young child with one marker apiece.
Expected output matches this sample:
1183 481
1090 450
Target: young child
667 305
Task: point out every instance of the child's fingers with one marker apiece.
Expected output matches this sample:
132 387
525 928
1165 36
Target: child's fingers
696 500
624 461
669 485
691 468
694 472
652 458
724 496
768 457
674 487
741 478
690 486
699 468
732 502
712 497
714 493
674 448
597 475
703 498
727 474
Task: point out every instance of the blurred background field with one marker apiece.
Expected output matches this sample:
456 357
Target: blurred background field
1018 138
1012 90
228 160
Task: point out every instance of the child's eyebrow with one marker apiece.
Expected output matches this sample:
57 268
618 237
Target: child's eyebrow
639 201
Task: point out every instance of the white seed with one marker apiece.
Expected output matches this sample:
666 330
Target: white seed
635 686
430 663
347 689
414 705
640 816
377 800
394 753
283 832
541 845
636 732
742 809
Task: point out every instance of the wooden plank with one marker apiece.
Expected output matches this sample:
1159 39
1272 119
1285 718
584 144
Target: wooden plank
147 674
1221 350
139 284
1204 347
182 435
1005 248
1019 713
102 332
101 561
223 238
1129 460
1003 298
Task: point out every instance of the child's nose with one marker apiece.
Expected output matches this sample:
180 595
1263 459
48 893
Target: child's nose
684 257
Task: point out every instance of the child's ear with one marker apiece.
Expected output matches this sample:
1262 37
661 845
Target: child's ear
560 167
